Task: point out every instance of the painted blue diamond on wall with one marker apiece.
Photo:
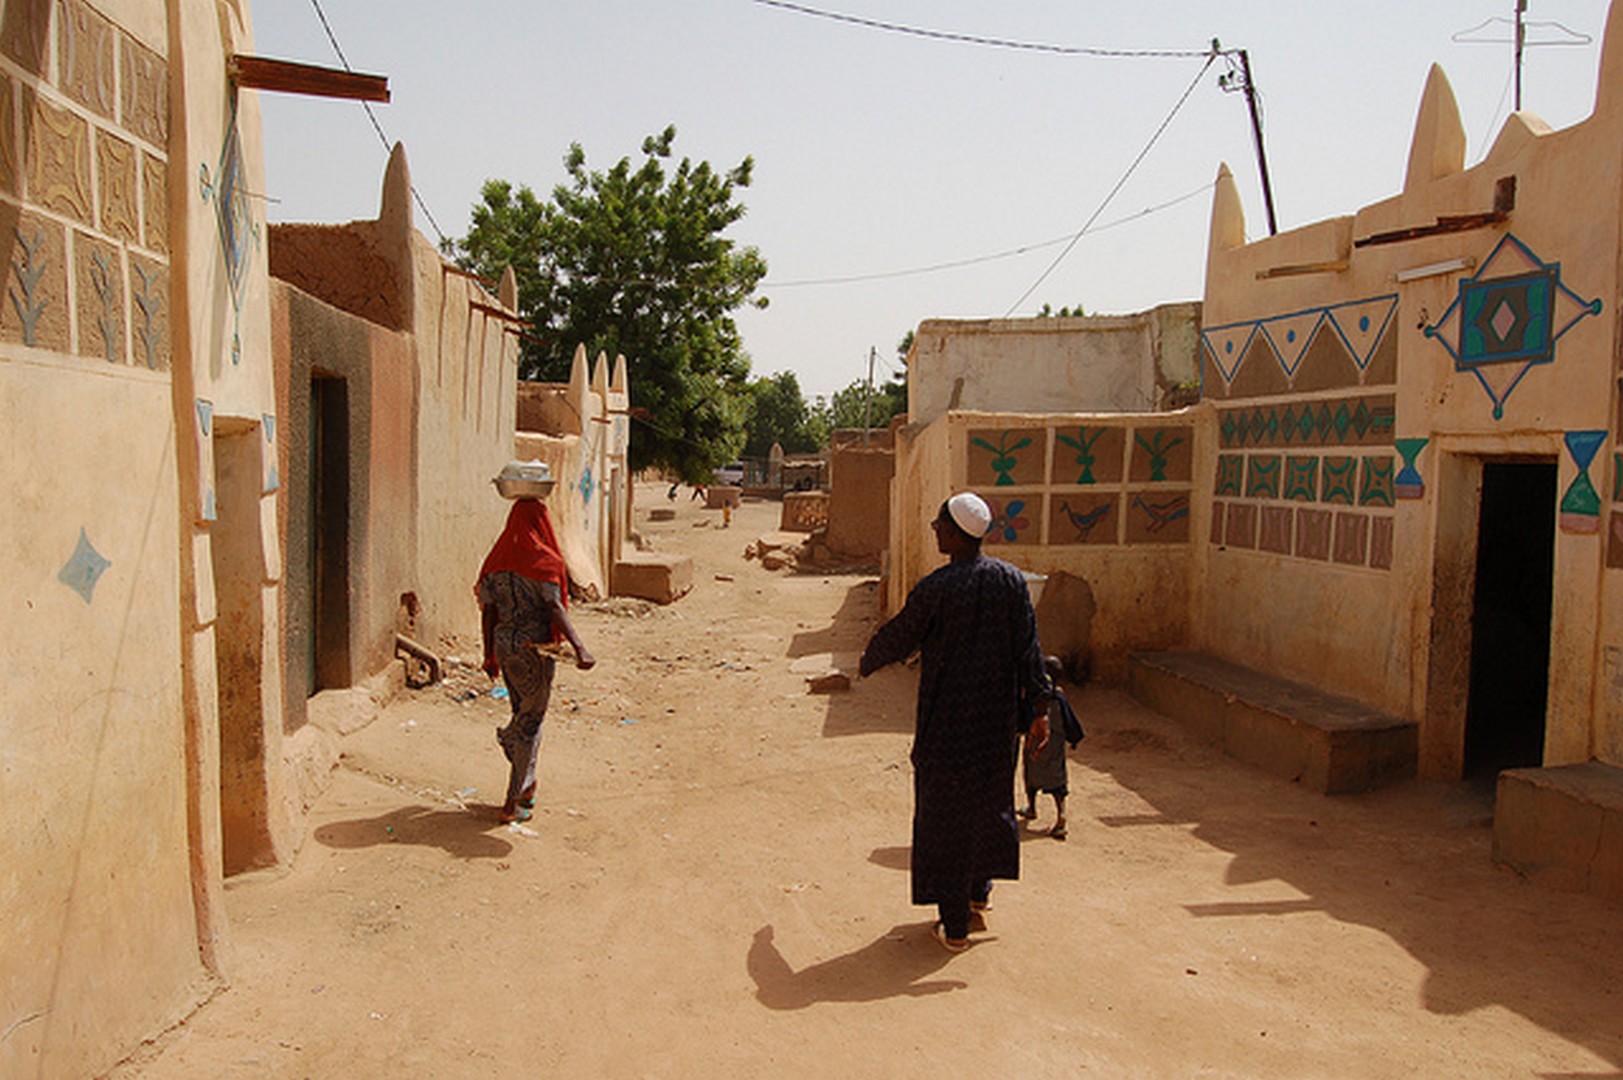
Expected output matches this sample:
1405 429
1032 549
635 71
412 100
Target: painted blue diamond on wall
84 568
1506 323
586 486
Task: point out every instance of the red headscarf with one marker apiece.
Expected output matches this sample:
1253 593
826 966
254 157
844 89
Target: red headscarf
529 548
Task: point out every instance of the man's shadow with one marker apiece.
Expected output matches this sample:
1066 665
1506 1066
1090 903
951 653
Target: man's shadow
889 966
462 833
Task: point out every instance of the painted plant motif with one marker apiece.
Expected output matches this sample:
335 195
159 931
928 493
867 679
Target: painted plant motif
1083 445
1157 449
1004 461
30 305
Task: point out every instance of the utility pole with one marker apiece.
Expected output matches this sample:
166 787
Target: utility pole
1520 44
1241 80
867 399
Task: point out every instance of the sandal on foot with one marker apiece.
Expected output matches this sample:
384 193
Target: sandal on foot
527 800
977 922
1026 813
952 945
520 813
1057 832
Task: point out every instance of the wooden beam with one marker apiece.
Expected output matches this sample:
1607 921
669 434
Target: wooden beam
1444 225
1332 266
285 76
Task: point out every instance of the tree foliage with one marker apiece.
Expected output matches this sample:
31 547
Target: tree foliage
632 260
886 400
779 414
1047 311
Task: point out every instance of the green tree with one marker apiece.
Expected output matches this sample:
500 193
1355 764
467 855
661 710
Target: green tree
1047 311
632 260
884 401
779 414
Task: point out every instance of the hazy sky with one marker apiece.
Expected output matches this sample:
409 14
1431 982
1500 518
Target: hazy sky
878 152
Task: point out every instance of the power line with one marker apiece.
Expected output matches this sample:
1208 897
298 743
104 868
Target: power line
973 39
388 147
976 260
1142 154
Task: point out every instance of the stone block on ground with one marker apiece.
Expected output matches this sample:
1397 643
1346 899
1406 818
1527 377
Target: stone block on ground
717 496
1332 744
656 577
1562 826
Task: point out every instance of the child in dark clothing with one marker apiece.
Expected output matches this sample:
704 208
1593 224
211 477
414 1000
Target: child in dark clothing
1044 766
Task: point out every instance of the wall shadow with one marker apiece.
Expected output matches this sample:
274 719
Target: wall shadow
463 834
891 965
1412 862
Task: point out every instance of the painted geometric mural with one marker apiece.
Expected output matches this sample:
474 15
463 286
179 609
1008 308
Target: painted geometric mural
1313 533
1007 458
1066 484
1262 476
1323 348
1580 506
1275 532
1358 421
1507 318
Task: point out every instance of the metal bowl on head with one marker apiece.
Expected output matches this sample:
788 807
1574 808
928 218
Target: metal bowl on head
524 480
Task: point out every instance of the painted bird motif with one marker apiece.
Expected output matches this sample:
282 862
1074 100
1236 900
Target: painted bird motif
1085 522
1165 513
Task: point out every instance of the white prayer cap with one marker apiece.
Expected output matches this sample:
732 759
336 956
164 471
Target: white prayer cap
970 513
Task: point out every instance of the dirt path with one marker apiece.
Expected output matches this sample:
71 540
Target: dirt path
715 884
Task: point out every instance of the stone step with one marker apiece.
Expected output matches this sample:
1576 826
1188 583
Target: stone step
1331 744
1562 826
652 576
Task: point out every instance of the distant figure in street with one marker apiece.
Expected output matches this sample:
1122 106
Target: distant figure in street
671 494
698 492
523 592
1043 764
971 622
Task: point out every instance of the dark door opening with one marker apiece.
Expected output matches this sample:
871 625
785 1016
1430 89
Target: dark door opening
1510 618
328 657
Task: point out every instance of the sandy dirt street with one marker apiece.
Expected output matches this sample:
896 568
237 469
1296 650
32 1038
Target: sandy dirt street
715 884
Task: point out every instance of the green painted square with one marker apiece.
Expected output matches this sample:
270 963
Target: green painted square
1230 472
1376 486
1302 479
1262 477
1340 474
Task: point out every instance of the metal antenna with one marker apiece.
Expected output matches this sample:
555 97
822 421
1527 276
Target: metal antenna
1518 40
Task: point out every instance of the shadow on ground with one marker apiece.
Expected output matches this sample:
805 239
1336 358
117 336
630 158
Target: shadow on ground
1412 862
882 702
464 834
889 966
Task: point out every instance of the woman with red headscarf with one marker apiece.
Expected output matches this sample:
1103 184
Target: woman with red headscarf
523 591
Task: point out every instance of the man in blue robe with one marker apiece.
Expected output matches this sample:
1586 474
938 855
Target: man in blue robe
972 623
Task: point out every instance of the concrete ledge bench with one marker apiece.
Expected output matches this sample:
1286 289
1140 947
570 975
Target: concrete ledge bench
1331 744
1562 826
652 576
